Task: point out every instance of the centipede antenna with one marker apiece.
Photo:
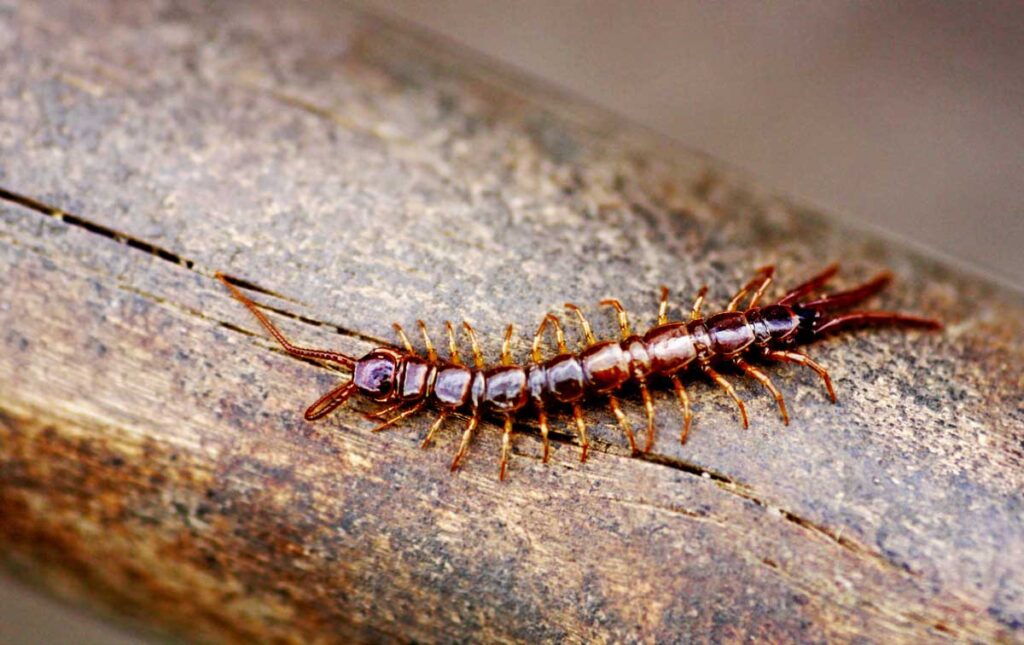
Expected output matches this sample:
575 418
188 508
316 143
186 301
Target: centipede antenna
301 352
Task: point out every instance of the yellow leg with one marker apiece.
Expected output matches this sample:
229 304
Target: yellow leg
559 333
750 370
663 306
802 359
684 401
395 419
542 419
727 386
506 347
431 353
760 282
622 317
453 349
434 428
478 357
588 333
537 338
467 436
623 422
403 338
581 429
649 407
383 412
506 447
698 302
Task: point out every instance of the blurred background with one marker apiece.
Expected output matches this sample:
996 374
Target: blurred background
907 116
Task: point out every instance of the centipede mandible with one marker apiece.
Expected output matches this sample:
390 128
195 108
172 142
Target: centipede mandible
405 382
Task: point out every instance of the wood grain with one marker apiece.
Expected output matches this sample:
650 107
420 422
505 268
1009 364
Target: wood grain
153 459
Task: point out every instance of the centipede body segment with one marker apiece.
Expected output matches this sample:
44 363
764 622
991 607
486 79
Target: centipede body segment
405 381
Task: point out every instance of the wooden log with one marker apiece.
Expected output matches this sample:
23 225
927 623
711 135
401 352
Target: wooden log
154 463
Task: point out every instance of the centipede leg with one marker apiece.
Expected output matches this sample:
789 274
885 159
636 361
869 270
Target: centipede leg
581 429
698 302
383 412
588 333
453 348
623 318
478 356
434 428
467 436
802 359
814 283
542 419
649 408
506 447
403 338
684 401
405 414
329 402
431 352
756 373
506 347
623 422
663 306
864 318
729 389
759 282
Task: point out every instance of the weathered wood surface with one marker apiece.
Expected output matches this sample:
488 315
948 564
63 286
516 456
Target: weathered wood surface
153 459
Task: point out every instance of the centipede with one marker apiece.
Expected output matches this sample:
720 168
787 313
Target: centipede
404 382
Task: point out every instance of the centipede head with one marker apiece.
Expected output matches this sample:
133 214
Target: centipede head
376 374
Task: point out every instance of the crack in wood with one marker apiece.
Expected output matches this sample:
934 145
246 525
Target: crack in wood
724 482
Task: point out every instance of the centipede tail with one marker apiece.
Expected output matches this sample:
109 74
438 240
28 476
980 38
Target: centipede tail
405 382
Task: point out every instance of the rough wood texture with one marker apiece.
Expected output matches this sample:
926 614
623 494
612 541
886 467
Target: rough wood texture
153 458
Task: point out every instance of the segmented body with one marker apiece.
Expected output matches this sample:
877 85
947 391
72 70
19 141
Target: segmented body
408 381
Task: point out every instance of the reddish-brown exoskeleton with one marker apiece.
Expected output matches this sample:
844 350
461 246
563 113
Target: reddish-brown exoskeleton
407 381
